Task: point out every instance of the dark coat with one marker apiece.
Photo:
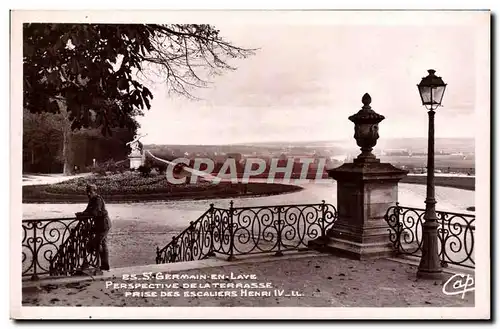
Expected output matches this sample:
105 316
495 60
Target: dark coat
97 209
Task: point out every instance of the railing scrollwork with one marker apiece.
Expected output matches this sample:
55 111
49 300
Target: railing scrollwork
250 230
56 246
455 234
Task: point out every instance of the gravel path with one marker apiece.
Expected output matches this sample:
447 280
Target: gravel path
320 281
49 178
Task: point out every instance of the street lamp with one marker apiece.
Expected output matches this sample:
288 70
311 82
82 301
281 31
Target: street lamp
431 90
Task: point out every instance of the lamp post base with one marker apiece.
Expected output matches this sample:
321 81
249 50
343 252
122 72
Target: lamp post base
430 264
430 275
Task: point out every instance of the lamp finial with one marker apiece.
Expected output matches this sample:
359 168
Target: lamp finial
366 100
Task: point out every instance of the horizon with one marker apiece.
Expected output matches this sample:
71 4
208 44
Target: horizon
311 141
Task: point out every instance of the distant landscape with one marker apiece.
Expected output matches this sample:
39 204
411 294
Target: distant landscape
453 155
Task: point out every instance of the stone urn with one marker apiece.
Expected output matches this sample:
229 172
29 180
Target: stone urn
366 130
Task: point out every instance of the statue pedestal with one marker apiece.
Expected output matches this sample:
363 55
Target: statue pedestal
135 161
365 190
136 156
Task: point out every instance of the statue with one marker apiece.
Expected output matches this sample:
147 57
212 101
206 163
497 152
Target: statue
136 146
136 156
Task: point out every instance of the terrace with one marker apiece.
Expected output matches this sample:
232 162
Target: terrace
326 254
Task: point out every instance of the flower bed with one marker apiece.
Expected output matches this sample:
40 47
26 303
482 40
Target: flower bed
130 186
126 183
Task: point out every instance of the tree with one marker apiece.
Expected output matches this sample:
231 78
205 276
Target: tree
43 144
88 72
42 141
182 54
91 144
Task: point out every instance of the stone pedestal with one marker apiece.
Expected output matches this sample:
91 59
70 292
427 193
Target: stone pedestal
137 155
135 161
365 190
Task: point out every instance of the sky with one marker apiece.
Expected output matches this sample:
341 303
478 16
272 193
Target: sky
306 79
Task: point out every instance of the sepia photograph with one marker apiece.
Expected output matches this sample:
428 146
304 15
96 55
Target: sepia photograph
282 164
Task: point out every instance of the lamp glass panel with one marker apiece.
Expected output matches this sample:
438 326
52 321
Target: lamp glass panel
425 94
437 94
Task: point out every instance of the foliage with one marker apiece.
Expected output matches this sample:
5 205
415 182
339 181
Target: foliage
123 183
42 142
73 64
110 166
99 171
144 170
183 54
92 68
122 166
127 185
159 166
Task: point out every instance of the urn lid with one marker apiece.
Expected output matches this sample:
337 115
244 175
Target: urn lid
366 114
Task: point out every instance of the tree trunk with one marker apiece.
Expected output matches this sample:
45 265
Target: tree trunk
67 154
67 139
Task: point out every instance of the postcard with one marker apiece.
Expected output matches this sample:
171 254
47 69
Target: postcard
250 164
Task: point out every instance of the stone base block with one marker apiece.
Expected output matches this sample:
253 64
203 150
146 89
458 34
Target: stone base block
135 162
353 250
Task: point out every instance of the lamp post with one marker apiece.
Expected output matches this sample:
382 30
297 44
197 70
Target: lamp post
431 90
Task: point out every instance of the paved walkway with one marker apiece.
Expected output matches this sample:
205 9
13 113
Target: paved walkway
48 178
307 280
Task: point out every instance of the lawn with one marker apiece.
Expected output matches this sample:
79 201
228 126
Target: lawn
440 161
132 186
465 183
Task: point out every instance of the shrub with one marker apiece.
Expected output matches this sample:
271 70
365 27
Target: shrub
88 169
122 166
160 167
144 170
133 186
110 166
100 171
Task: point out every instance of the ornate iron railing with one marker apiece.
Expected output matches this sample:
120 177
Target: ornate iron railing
455 233
249 230
55 246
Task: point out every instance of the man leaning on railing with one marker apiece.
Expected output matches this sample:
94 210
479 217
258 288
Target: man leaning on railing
96 208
